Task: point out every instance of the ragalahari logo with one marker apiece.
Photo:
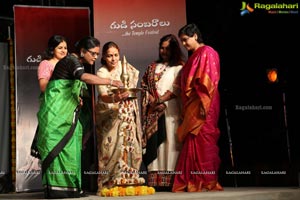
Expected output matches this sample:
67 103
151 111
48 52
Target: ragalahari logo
270 8
246 9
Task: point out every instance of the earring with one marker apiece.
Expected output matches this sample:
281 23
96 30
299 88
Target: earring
81 55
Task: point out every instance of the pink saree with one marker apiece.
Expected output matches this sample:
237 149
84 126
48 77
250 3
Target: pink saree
198 163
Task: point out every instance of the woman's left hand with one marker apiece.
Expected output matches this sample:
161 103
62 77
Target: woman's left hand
121 96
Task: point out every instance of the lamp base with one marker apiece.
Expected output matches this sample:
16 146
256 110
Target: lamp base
132 91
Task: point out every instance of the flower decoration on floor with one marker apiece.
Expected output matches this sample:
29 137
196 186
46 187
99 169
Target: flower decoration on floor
127 191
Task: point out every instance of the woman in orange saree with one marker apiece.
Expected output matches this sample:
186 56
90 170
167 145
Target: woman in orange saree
198 163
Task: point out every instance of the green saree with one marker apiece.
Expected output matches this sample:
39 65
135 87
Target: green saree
62 177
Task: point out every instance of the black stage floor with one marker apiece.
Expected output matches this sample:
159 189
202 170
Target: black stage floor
229 193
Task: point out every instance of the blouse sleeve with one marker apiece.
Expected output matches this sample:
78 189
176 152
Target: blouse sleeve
102 89
68 68
45 70
176 82
76 68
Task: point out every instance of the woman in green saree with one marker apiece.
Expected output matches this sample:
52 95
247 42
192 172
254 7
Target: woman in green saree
61 123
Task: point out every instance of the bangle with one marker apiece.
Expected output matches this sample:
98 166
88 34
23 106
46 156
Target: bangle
113 98
111 82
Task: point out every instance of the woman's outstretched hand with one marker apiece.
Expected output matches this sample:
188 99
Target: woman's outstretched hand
117 83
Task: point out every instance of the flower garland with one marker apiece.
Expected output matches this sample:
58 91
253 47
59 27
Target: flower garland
127 182
127 191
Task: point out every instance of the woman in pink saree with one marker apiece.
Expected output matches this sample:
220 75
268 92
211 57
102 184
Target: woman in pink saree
198 163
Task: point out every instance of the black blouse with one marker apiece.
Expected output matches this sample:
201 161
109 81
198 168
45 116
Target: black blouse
68 68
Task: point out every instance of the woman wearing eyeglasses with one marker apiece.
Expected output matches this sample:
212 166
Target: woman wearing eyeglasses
61 120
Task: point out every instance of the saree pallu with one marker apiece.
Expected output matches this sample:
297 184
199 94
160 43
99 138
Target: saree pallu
62 179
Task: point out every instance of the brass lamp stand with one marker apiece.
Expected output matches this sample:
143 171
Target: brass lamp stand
125 79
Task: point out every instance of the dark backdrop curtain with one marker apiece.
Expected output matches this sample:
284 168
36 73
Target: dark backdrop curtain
4 116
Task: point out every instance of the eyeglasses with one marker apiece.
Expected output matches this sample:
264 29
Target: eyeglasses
93 53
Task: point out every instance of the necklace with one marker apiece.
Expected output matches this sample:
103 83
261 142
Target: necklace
160 72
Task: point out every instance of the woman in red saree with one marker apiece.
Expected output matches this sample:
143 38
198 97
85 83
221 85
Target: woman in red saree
198 163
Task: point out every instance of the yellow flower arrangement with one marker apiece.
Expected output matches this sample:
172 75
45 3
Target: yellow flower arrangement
150 190
104 191
127 191
122 191
130 191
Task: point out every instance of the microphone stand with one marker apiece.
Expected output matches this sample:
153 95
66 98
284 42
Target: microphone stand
286 128
230 141
230 146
